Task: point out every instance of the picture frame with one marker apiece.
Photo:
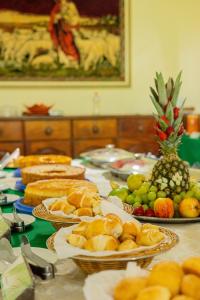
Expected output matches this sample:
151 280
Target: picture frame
88 70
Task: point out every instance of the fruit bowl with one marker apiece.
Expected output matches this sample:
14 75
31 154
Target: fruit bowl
38 109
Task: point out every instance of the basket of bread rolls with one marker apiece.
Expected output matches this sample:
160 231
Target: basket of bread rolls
167 280
79 205
110 242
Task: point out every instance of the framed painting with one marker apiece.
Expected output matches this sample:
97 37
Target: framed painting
64 42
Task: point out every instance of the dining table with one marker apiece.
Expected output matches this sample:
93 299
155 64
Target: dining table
69 281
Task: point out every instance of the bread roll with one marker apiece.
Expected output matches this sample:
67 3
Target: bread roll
76 240
81 228
126 236
192 265
96 207
190 286
62 205
168 274
149 237
114 217
101 243
154 293
84 211
131 228
183 297
129 288
104 226
78 198
149 226
127 245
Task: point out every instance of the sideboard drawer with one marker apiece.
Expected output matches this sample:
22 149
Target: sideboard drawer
10 147
47 130
95 128
87 145
139 145
10 131
136 126
49 147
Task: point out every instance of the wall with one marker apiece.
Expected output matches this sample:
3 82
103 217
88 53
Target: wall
165 36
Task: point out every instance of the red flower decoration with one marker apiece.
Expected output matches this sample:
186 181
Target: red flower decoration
162 135
169 130
164 118
181 130
176 112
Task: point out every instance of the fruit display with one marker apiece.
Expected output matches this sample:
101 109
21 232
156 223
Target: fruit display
169 192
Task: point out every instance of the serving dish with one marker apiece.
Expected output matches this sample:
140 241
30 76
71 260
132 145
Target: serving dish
102 157
143 257
28 220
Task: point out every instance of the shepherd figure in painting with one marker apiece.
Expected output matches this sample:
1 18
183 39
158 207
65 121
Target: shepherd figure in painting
64 18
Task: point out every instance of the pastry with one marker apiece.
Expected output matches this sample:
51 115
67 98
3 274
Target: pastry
190 286
129 288
168 274
183 297
38 191
82 198
81 228
76 240
131 228
114 217
41 172
101 243
104 226
32 160
192 265
126 236
149 237
154 293
84 211
127 245
63 206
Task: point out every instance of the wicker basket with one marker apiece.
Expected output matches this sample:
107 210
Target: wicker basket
143 257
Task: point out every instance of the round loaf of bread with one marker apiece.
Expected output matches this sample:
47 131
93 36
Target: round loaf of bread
38 191
41 172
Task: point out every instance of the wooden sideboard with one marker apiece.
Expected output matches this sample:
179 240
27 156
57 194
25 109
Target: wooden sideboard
73 135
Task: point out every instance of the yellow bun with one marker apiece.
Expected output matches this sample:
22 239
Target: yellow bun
190 286
113 217
154 293
127 245
129 288
149 226
76 240
101 243
62 205
126 236
104 226
183 297
192 265
149 237
81 228
80 198
96 207
84 211
168 274
131 228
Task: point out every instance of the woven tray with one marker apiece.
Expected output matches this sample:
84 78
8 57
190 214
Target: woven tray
143 257
41 212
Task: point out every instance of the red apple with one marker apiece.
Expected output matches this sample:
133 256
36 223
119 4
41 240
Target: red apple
164 208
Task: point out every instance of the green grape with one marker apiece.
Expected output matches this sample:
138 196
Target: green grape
161 194
197 194
145 199
138 199
151 204
176 206
145 206
177 199
153 189
130 199
151 196
189 194
143 190
182 194
136 204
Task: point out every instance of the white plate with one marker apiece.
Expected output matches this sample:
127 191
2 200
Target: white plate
3 187
46 254
28 220
11 198
2 174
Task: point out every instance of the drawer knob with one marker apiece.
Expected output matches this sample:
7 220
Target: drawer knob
140 128
95 129
48 131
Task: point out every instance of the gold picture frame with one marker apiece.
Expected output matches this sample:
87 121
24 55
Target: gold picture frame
120 80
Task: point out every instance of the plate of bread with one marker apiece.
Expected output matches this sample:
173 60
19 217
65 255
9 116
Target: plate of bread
167 280
110 242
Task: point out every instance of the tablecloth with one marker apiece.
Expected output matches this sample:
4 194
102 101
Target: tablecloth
189 150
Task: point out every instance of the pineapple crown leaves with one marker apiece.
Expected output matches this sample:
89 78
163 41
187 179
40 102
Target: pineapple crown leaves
169 110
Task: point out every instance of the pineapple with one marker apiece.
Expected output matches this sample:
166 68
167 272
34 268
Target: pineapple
170 174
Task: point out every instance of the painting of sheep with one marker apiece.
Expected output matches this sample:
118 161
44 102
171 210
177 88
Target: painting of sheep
69 41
